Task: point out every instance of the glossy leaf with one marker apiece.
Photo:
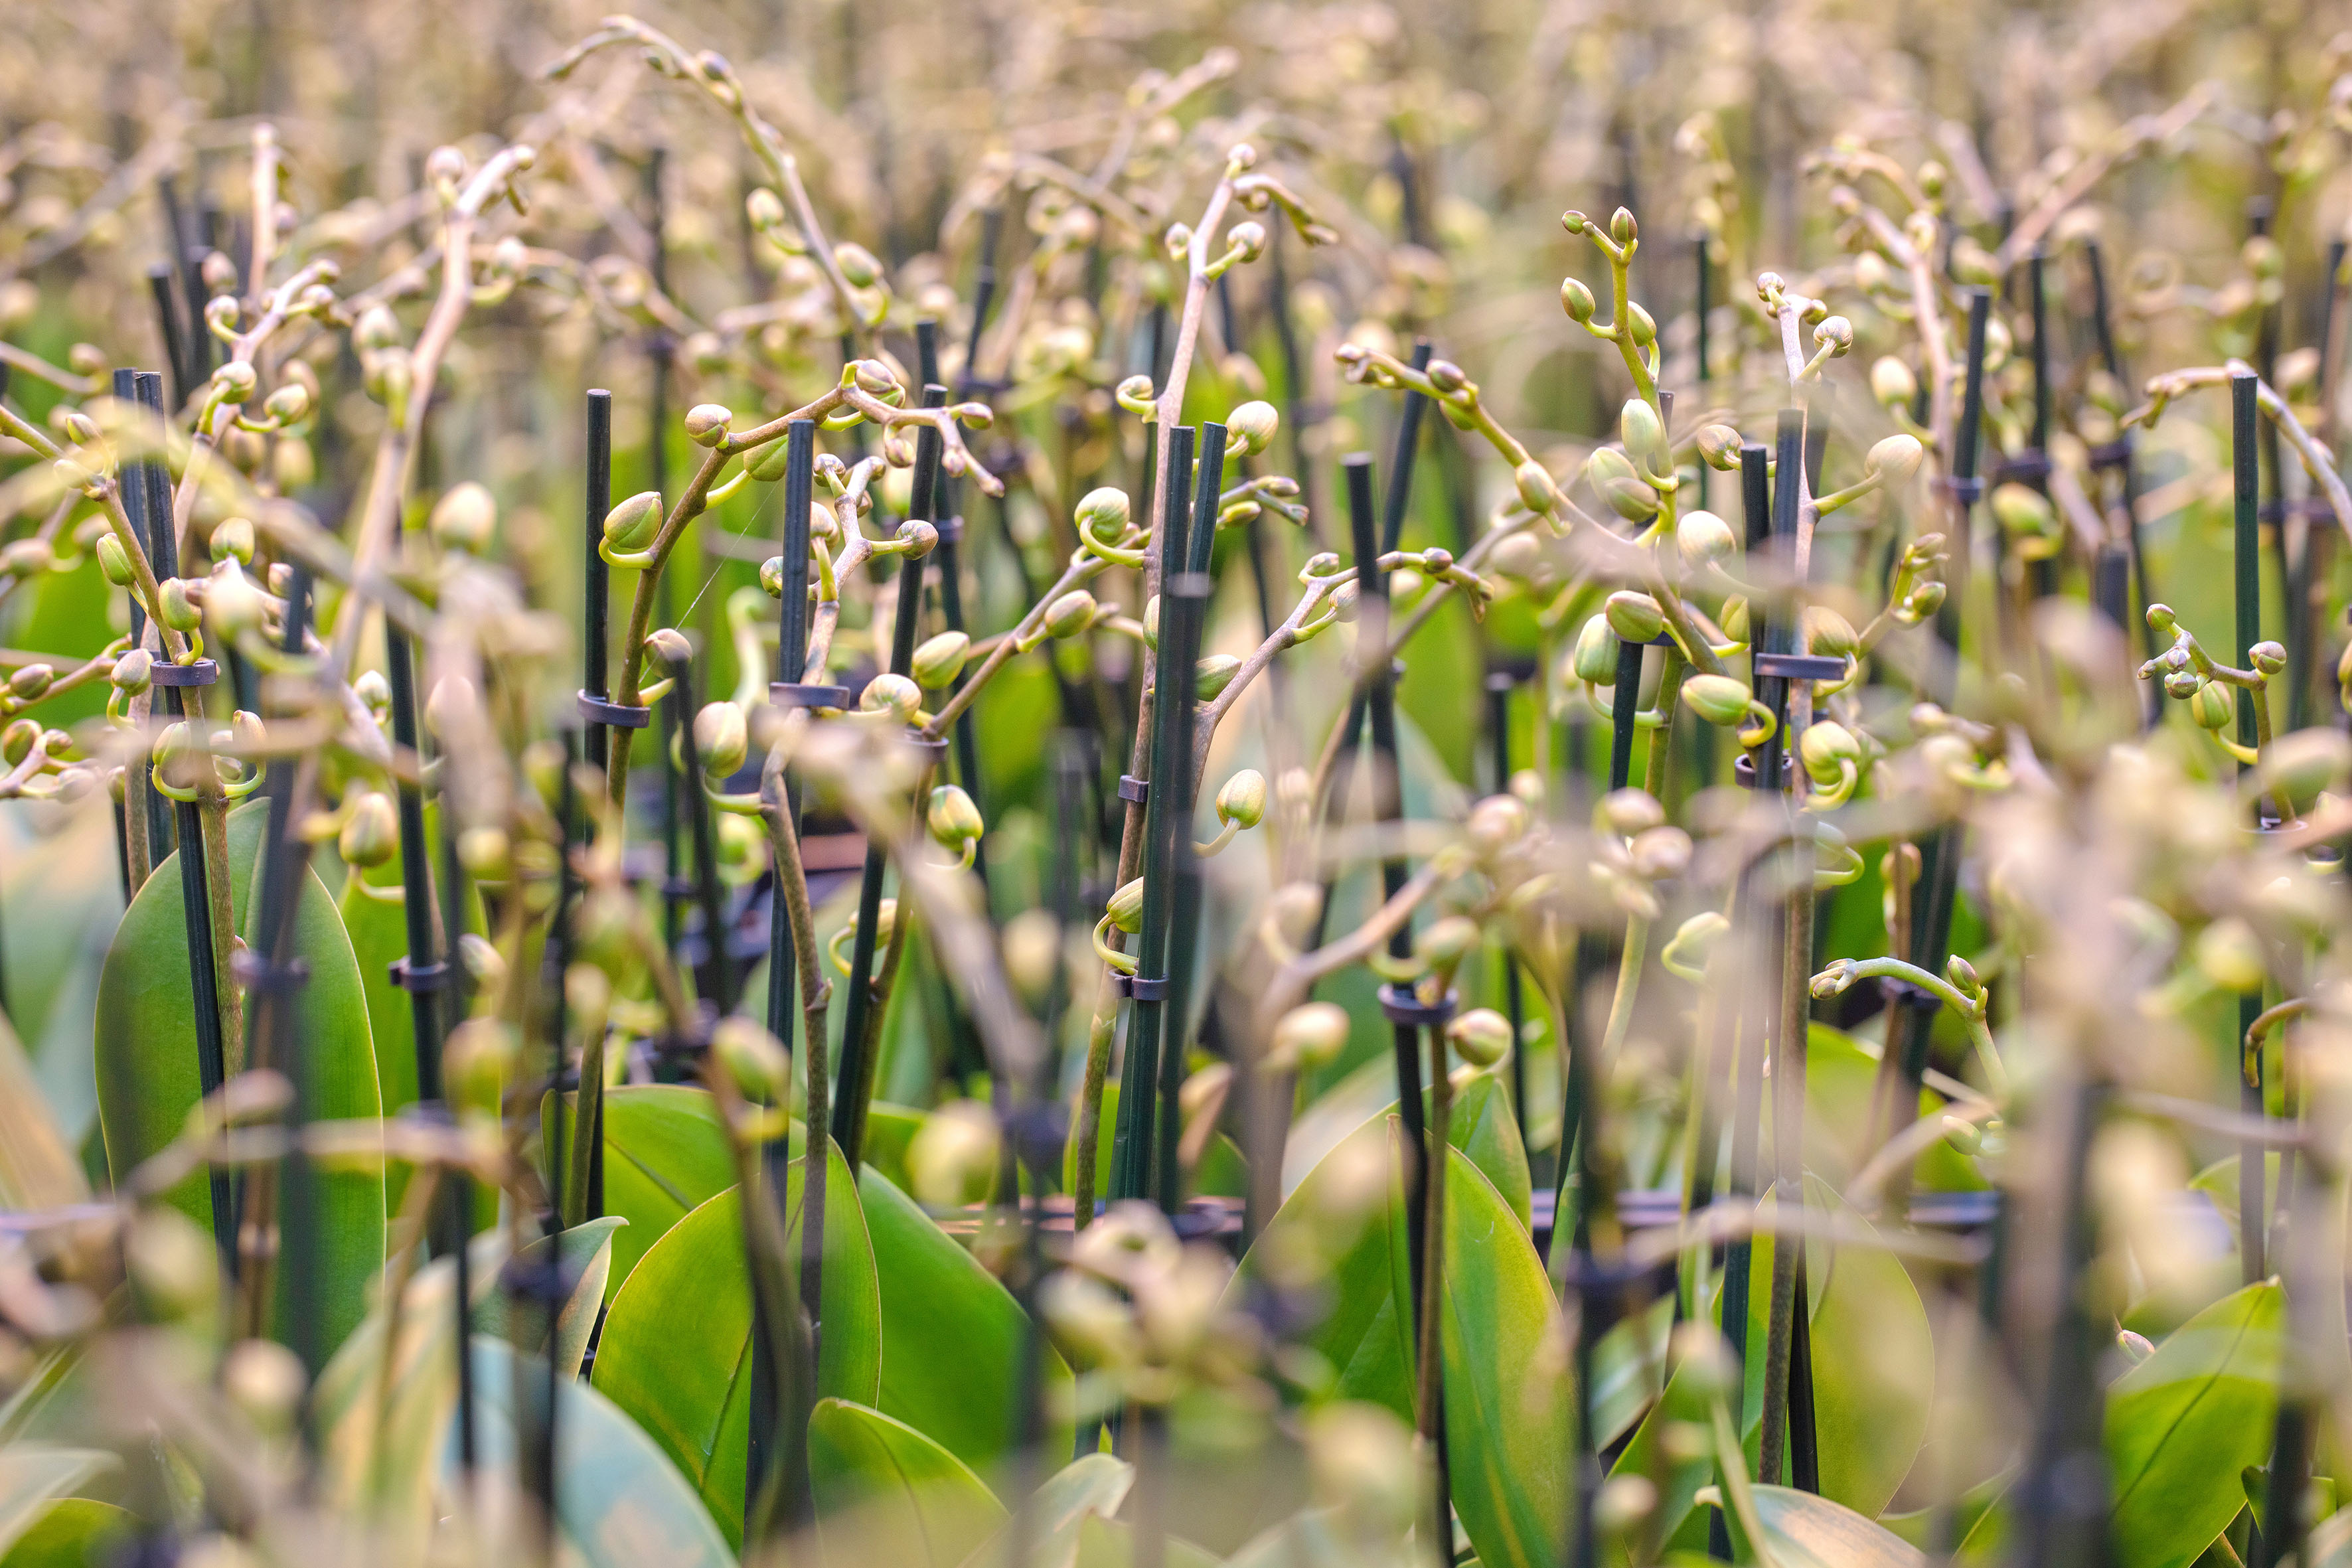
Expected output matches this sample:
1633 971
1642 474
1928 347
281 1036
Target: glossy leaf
32 1475
2182 1424
953 1336
619 1502
889 1129
692 1390
1873 1364
1092 1485
377 924
59 904
37 1168
147 1081
74 1532
665 1154
495 1313
1483 1127
887 1493
1807 1532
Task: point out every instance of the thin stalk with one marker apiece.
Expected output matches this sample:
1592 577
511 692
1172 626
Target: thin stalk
2253 1208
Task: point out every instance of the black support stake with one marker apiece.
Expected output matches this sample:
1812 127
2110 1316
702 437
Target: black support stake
2253 1206
597 642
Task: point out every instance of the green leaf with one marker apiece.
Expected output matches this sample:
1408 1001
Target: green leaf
1483 1128
75 1532
63 901
494 1313
379 934
692 1391
619 1502
885 1493
2182 1424
34 1474
37 1168
1091 1485
953 1336
386 1450
147 1077
1873 1363
1807 1531
1629 1369
889 1129
1110 1543
665 1154
1678 1521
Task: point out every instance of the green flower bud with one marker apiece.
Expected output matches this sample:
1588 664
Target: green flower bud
953 1157
1694 941
1634 617
939 659
1827 745
2182 683
1577 301
480 1058
1447 941
2269 658
767 463
114 562
463 520
706 424
1621 228
1638 426
1213 675
1070 613
1642 324
1308 1037
631 527
235 382
1827 632
1735 618
1891 383
1718 447
953 819
1718 699
232 602
2231 955
2022 513
722 737
133 672
28 557
1103 514
1481 1036
1894 460
1243 799
1628 812
179 611
288 405
1537 491
753 1062
857 264
1125 907
1595 657
2213 706
16 739
233 539
370 834
893 694
1250 430
1835 333
1704 538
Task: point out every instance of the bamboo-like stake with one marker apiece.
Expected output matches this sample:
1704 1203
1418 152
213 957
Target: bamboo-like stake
596 640
150 836
2253 1205
2063 1493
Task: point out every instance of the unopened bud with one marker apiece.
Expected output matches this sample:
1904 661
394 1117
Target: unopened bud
1634 617
1481 1036
1243 798
939 659
1250 430
706 424
370 834
1309 1036
751 1060
463 519
951 818
632 526
722 737
1125 907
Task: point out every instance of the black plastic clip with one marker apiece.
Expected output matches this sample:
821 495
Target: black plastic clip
796 694
935 752
202 672
1743 770
2033 463
950 529
1967 490
1401 1007
1136 989
421 976
1904 993
597 711
1799 666
2114 453
256 973
1131 788
679 889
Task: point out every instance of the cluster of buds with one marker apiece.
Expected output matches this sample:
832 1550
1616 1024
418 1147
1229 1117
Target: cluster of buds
1146 1317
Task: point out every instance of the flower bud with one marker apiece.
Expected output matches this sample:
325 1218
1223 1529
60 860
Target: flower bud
1695 941
289 405
179 611
16 739
1835 333
1446 376
1213 675
1634 617
1660 852
1576 300
857 264
751 1060
1537 491
370 834
1495 823
2023 512
114 562
1103 514
706 424
28 557
892 694
1827 632
1718 699
1250 430
1719 446
235 382
232 540
1243 798
938 660
174 1274
1639 427
2231 955
1309 1036
1894 460
478 1061
2213 706
1070 613
2267 657
631 527
1628 812
133 672
1481 1036
1621 228
722 737
1125 907
1828 744
1641 324
377 328
951 818
1595 656
1891 383
953 1157
232 602
463 519
1704 538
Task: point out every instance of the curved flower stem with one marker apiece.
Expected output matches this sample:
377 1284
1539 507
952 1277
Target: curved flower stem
1655 772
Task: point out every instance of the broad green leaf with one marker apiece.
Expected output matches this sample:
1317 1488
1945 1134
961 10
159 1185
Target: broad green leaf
147 1077
619 1502
1091 1485
1873 1364
1629 1369
379 934
32 1475
665 1154
1807 1531
75 1532
37 1168
1110 1543
2182 1424
1678 1521
1483 1127
887 1493
61 899
587 1248
952 1337
676 1348
889 1129
380 1449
